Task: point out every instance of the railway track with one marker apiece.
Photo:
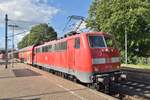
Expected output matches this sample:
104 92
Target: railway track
137 86
134 89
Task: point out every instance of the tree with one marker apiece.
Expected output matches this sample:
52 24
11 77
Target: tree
117 16
38 34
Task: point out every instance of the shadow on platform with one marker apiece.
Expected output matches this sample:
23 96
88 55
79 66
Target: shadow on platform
25 73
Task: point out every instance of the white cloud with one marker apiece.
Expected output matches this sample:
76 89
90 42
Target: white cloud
27 10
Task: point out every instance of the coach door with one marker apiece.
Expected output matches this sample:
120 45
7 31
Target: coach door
77 53
71 59
28 57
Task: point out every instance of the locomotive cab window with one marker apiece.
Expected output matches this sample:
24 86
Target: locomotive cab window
96 41
77 43
110 42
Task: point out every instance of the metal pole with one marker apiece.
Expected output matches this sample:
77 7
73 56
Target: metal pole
6 51
13 47
126 48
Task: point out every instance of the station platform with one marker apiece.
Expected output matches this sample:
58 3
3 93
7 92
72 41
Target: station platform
24 82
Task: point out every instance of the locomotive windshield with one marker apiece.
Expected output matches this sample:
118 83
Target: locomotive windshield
98 41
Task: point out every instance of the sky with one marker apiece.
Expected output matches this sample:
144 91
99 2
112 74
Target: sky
25 13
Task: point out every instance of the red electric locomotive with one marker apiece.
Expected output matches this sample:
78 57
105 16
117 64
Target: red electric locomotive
89 57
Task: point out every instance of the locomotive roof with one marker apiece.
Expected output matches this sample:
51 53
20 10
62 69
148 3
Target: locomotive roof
101 33
73 36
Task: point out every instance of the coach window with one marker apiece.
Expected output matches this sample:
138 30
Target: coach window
59 46
63 45
42 49
45 49
36 50
56 47
53 47
77 43
49 48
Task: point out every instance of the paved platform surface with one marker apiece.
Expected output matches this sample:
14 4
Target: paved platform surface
24 82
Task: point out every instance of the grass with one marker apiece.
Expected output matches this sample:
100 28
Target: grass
139 66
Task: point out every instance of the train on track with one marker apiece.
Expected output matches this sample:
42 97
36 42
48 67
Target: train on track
91 58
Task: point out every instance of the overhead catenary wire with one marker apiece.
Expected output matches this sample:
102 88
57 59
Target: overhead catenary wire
66 24
18 33
20 28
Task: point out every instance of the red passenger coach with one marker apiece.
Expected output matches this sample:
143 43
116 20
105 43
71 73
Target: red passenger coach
26 55
89 57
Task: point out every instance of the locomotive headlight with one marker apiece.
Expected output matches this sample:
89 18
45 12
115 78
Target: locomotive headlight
123 76
106 50
112 78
